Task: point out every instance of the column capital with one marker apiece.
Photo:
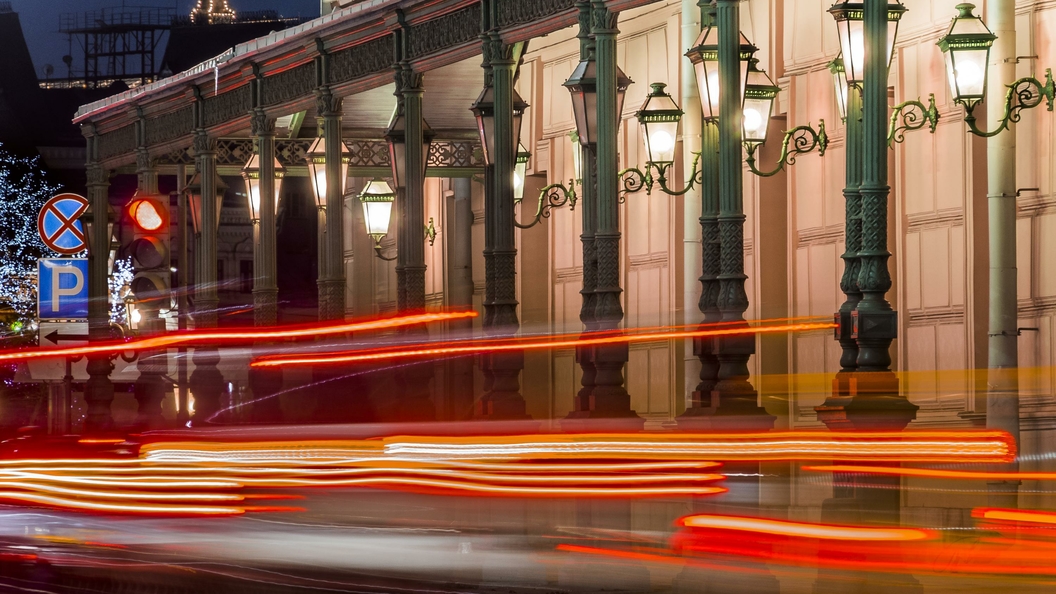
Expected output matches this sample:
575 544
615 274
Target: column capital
203 144
260 124
327 104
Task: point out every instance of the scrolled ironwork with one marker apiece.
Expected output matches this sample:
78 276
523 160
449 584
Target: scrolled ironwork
553 196
798 141
635 180
1025 93
912 115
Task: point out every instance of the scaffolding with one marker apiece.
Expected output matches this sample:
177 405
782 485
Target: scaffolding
119 44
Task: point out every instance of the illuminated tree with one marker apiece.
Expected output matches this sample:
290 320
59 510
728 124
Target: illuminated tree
24 189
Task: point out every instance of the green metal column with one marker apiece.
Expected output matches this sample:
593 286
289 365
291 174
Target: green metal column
610 398
410 266
207 383
876 323
737 398
98 391
589 214
502 397
265 287
852 229
332 272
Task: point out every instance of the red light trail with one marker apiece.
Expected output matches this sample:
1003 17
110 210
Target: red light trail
931 473
521 344
233 336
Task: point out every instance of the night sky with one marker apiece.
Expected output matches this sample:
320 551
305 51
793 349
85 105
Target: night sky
40 21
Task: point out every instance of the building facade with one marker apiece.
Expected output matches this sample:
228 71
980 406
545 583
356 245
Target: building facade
794 231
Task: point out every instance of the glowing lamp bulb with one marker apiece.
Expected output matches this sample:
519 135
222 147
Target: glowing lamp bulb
753 120
136 316
661 141
969 75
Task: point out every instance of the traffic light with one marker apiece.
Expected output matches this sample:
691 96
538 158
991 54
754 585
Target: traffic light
150 251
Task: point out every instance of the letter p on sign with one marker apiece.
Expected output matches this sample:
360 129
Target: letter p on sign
62 288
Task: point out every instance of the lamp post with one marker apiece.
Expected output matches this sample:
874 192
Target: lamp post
323 176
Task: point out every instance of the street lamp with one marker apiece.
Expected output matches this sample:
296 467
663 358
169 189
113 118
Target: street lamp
583 85
194 190
851 28
840 85
316 157
760 92
552 196
966 47
520 170
377 198
251 175
396 136
484 111
705 58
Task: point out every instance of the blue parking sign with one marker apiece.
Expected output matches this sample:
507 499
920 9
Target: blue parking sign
62 288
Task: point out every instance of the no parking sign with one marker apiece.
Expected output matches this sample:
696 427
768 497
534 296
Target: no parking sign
59 223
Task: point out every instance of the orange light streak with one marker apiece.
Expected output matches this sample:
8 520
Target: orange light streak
197 510
232 336
931 473
803 529
519 344
1014 515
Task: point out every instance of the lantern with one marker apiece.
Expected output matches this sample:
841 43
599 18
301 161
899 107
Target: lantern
839 83
484 111
377 199
583 85
251 175
396 136
520 170
966 47
705 58
759 95
659 117
850 24
316 157
194 190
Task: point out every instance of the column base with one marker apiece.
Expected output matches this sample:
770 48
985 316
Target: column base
503 400
872 401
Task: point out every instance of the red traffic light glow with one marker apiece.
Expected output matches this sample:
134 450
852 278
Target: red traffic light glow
146 215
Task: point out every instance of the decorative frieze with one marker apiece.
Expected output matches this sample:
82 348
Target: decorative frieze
517 12
368 153
362 60
170 125
117 142
451 30
227 106
288 85
235 152
455 154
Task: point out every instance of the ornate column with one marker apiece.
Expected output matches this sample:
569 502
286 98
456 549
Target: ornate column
265 289
265 382
701 405
150 386
332 247
415 404
98 391
736 397
207 383
610 400
502 398
588 210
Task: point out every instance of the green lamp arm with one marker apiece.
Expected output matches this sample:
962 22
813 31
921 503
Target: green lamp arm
803 139
551 197
1025 93
913 115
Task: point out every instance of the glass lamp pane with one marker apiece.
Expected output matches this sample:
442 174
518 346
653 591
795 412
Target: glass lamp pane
660 140
756 119
970 71
377 216
852 43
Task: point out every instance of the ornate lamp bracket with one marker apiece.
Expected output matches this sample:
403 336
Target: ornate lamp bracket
551 197
798 141
635 180
912 115
430 234
1025 93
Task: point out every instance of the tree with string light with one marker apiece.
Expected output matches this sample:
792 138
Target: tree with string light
24 188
